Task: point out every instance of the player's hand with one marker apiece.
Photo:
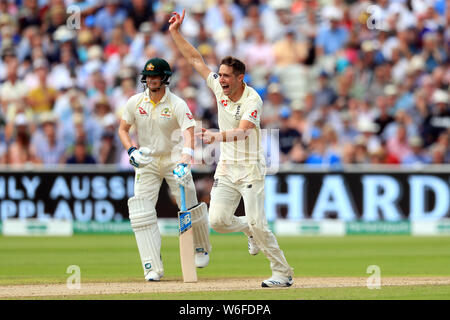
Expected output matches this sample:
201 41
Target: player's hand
182 174
185 158
140 157
176 20
208 136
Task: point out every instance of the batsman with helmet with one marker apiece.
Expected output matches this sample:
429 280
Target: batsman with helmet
241 168
156 113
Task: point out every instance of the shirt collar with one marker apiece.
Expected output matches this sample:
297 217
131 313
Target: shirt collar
163 99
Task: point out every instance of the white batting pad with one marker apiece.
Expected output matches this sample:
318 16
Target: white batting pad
144 224
200 226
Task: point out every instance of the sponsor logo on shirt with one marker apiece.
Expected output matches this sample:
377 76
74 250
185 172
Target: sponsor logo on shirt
254 114
190 117
142 111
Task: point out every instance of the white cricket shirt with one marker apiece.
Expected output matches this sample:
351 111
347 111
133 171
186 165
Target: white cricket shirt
248 107
159 126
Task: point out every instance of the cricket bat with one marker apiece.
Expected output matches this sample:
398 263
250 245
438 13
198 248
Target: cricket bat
187 257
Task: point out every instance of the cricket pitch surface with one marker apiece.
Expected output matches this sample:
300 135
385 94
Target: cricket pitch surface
224 284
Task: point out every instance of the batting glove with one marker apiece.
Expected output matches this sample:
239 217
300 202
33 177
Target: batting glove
139 157
182 174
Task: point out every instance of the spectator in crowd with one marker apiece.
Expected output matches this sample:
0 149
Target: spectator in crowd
332 146
139 12
288 136
62 75
443 143
298 120
289 51
49 148
42 97
272 105
398 145
319 155
438 120
432 54
325 94
383 117
259 52
325 61
348 155
109 17
362 155
13 90
108 151
223 16
126 88
21 151
417 155
147 37
368 130
348 132
80 154
333 37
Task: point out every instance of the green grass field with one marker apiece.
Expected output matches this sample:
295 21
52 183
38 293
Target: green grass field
114 258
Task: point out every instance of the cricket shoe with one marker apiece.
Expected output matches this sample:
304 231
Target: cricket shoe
201 258
154 276
253 248
277 282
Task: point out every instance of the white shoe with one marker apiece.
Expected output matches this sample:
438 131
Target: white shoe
253 248
154 276
201 259
277 282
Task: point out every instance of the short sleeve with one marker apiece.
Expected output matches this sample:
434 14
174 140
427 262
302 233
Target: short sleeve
213 83
184 116
252 111
128 112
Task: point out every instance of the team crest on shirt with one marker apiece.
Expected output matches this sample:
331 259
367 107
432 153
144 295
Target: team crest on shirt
166 113
224 103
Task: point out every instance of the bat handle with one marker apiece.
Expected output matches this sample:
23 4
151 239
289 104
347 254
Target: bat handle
183 198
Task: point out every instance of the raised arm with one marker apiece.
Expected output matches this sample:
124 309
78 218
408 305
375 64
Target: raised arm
187 50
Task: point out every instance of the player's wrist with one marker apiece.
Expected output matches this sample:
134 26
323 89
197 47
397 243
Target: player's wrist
220 136
188 151
131 149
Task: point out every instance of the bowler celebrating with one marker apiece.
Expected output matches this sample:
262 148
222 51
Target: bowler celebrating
241 168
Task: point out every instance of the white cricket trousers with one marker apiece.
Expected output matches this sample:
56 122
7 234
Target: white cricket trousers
225 197
148 180
143 217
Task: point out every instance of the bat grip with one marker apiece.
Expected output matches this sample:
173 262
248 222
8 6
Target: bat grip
183 198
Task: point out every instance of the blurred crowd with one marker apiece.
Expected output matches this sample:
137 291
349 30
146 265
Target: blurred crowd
342 81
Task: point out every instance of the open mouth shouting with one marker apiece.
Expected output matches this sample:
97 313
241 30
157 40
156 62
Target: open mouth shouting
225 88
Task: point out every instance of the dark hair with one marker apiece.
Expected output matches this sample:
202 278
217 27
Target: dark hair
237 65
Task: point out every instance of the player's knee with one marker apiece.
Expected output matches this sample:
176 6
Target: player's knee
215 223
142 213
